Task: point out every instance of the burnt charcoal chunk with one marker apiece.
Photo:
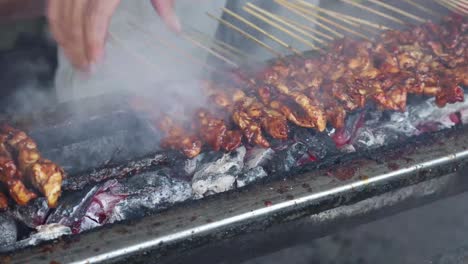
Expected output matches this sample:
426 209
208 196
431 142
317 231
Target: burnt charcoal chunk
149 193
319 145
286 159
8 230
220 175
33 214
72 206
250 176
258 157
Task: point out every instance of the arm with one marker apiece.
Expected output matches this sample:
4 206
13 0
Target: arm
19 9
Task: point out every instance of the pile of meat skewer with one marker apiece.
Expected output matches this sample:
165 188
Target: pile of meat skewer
316 92
22 170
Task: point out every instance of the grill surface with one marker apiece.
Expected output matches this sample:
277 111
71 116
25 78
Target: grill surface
427 167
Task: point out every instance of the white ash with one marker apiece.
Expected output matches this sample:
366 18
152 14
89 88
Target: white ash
250 176
258 157
150 192
220 175
49 232
191 165
428 111
8 230
375 134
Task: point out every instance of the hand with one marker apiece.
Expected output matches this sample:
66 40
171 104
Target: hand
80 26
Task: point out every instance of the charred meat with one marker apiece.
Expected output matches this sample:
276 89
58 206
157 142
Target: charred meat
316 92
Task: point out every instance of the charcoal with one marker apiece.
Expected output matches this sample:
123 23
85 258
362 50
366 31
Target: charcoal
50 232
319 145
344 135
77 182
258 157
149 193
99 152
72 206
250 176
33 214
220 175
8 230
427 113
88 208
101 207
191 165
285 160
188 167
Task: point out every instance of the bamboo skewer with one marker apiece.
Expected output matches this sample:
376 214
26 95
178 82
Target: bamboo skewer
307 28
295 26
246 35
328 12
207 49
421 7
288 23
252 25
291 8
278 26
350 2
367 23
460 4
326 20
354 20
397 10
453 6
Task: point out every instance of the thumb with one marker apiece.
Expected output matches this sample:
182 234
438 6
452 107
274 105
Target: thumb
165 9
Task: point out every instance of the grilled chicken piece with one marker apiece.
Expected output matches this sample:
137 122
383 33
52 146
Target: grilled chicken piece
11 177
178 139
47 177
44 175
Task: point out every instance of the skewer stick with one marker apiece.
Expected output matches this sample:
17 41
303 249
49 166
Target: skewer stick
397 10
297 26
354 21
171 46
328 12
350 2
305 27
207 49
287 23
245 34
326 20
278 26
252 25
460 4
421 7
292 8
367 23
452 6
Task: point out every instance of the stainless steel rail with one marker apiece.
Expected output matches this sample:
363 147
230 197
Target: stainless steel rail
310 200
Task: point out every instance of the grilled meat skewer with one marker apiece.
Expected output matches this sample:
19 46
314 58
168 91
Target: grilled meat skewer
427 60
32 169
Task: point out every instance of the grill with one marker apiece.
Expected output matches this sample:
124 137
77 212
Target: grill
116 163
